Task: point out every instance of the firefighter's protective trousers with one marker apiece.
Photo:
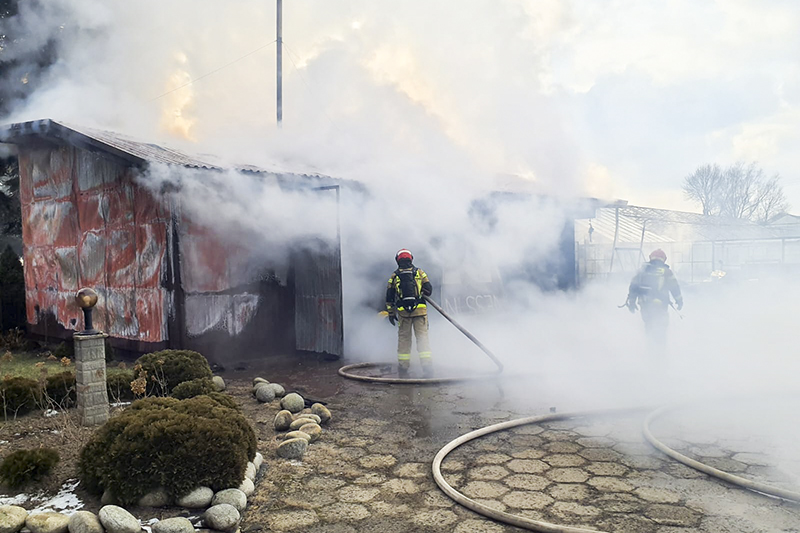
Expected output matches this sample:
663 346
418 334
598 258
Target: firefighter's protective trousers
420 326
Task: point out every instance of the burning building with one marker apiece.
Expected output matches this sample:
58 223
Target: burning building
165 280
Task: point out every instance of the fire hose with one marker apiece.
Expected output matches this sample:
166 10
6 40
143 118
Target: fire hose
345 371
548 527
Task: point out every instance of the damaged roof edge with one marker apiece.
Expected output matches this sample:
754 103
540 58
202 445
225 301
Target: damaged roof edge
131 151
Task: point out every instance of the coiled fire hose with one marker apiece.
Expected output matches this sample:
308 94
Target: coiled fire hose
547 527
345 371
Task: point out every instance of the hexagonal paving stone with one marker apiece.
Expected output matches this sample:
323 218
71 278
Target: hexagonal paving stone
726 465
527 500
371 478
484 489
313 499
598 430
752 459
450 465
527 466
567 475
435 498
672 515
401 486
412 470
377 461
479 526
562 447
600 454
492 459
435 518
491 504
324 483
596 442
628 524
389 509
352 494
344 512
489 473
634 448
654 495
572 510
527 441
287 521
569 491
607 469
527 482
529 429
641 462
619 502
553 435
561 424
564 460
610 484
530 453
709 451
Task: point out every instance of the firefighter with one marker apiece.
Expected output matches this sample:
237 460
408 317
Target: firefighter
405 306
650 291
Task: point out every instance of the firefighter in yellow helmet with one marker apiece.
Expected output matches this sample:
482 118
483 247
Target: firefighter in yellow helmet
650 290
405 305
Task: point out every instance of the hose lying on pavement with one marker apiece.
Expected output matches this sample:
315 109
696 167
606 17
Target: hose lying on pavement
345 371
710 470
502 516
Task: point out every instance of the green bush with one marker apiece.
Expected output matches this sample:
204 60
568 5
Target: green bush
65 349
23 466
60 389
168 368
18 396
119 385
164 442
190 389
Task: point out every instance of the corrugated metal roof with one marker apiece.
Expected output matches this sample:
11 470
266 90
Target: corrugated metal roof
125 147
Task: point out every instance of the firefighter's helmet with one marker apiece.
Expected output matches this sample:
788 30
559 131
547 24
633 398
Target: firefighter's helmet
658 254
403 255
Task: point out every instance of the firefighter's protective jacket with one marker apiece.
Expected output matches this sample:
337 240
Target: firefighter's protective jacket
393 294
652 286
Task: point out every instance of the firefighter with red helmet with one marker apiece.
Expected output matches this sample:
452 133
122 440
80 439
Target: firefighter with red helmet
650 291
406 307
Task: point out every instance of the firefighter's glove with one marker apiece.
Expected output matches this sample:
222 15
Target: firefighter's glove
392 318
632 307
679 304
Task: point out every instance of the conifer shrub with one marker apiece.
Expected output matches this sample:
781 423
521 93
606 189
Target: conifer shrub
119 385
23 466
190 389
18 395
164 442
168 368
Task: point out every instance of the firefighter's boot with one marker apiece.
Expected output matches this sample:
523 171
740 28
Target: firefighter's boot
402 369
427 368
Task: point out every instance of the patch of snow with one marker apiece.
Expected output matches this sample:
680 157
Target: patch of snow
19 499
65 502
3 442
51 413
55 432
120 404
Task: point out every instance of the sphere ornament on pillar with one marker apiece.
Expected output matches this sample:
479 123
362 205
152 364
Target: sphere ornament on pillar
87 299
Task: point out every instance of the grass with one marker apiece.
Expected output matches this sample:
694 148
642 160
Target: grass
24 364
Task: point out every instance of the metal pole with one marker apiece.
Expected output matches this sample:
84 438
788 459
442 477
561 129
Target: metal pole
280 61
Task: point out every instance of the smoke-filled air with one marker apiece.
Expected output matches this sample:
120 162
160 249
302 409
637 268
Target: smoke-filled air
504 143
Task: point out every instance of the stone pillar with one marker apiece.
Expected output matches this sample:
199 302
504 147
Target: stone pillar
90 378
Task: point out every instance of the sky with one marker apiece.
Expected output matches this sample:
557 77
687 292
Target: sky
611 99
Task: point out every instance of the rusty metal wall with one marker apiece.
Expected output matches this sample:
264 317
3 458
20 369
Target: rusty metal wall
86 223
318 298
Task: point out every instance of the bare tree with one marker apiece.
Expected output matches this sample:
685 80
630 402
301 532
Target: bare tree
740 191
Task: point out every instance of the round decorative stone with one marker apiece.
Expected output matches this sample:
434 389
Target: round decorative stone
283 420
322 412
256 381
258 460
297 434
197 499
219 383
173 525
222 517
264 393
293 402
312 430
248 487
47 523
292 448
155 498
117 520
12 518
233 497
300 422
277 389
84 522
250 472
312 416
